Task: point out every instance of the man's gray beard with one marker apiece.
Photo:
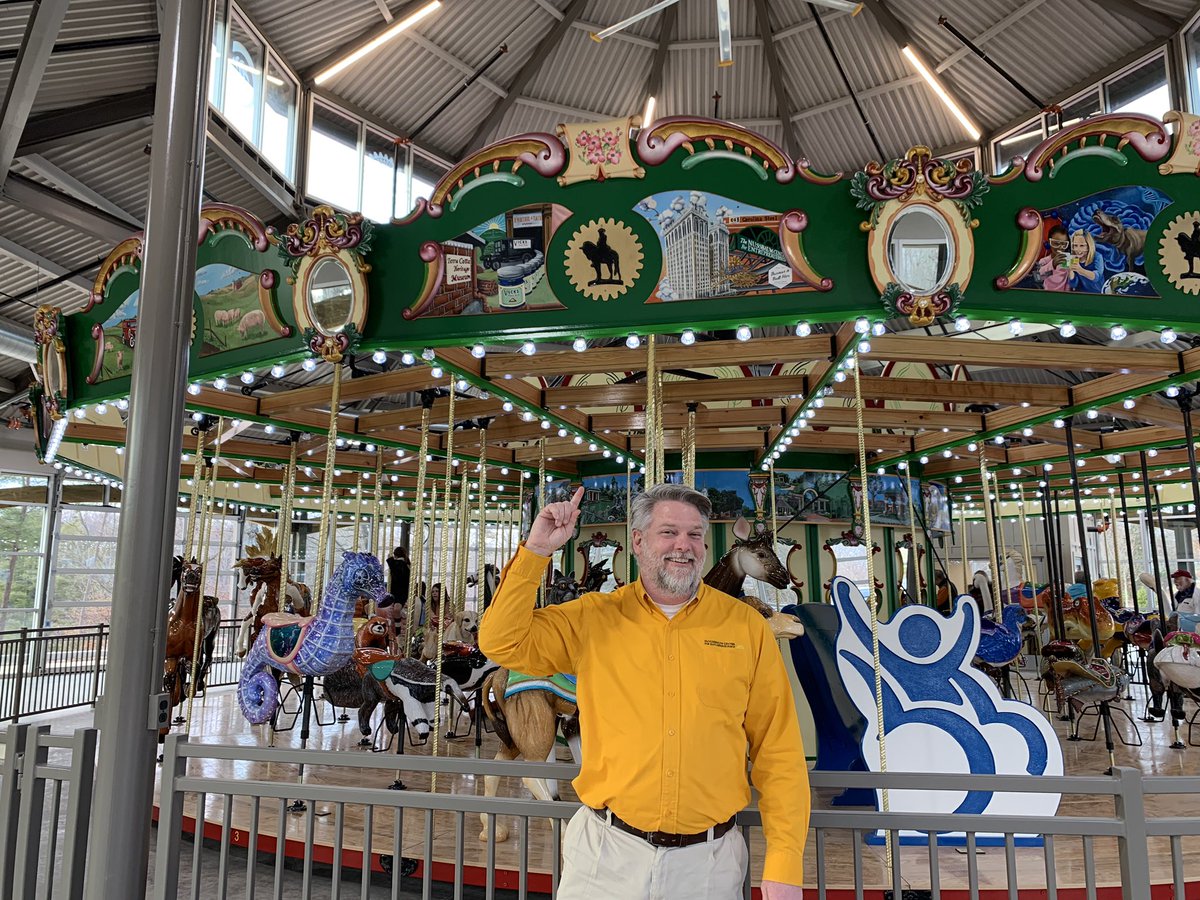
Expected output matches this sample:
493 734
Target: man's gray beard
685 586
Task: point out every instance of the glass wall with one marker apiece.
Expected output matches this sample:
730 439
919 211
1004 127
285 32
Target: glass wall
1141 88
253 90
23 511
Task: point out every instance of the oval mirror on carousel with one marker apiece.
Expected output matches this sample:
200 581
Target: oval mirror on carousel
330 294
920 250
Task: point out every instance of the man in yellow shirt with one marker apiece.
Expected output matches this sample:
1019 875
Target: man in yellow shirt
676 681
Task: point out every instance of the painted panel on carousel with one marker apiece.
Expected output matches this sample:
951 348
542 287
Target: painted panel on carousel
714 246
941 714
116 338
237 307
1097 244
498 266
936 504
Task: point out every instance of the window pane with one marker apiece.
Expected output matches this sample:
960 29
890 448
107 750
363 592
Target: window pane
1143 90
216 65
1192 41
421 188
1079 109
1019 143
243 80
279 121
333 159
377 178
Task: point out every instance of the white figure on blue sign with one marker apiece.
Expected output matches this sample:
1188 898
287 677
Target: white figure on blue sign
940 713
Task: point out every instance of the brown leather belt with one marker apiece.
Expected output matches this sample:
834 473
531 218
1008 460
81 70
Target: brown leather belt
664 838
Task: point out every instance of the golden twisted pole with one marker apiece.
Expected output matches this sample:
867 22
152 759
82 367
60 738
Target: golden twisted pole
541 504
327 485
481 537
991 540
284 534
689 447
872 599
189 548
774 525
378 522
205 529
354 540
417 538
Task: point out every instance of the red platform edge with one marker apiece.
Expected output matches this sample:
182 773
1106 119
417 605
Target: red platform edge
540 882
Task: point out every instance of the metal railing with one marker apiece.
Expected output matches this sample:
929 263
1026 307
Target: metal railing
364 835
44 833
50 669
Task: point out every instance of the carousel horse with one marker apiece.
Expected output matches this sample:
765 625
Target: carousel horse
1174 671
1029 596
259 571
316 645
181 632
1078 681
345 687
525 713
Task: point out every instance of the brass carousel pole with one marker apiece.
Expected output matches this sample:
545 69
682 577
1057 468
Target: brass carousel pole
481 534
283 536
417 555
206 527
993 582
327 484
379 521
689 447
443 598
197 490
354 541
541 504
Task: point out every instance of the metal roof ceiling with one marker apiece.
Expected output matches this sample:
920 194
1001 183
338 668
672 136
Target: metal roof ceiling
109 47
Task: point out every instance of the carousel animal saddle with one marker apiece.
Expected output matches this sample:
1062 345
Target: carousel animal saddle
285 637
562 686
1189 622
418 678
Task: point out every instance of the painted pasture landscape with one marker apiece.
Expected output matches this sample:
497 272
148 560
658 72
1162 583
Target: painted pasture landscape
233 312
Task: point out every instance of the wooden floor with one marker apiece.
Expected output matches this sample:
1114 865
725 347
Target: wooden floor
219 721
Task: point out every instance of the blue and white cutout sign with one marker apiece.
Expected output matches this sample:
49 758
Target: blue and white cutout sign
941 714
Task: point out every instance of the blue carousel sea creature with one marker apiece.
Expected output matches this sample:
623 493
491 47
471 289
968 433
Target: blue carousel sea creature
308 645
1000 642
940 714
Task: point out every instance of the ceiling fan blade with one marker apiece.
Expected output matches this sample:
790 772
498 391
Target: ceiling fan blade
636 17
850 6
724 34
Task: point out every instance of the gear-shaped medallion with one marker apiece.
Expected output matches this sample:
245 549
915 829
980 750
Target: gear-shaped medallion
1179 252
604 259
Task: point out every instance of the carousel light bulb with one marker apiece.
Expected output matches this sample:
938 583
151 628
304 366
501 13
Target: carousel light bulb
1118 333
1059 423
407 358
878 329
947 453
839 376
247 378
620 459
1093 414
1027 431
101 408
810 414
220 384
607 454
193 389
122 404
862 325
593 447
765 467
788 440
1168 335
633 342
1172 391
340 442
576 440
478 351
461 384
1048 467
972 447
1066 329
999 439
1015 327
308 364
196 416
1129 403
120 451
742 333
427 354
803 329
269 429
958 479
688 337
527 416
819 402
507 406
849 362
864 346
529 348
902 465
370 448
962 323
545 424
801 423
880 470
504 470
562 432
924 460
579 345
277 370
436 372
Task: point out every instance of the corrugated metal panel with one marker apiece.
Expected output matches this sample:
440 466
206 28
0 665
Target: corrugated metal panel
698 20
611 83
74 78
306 31
65 246
225 185
610 12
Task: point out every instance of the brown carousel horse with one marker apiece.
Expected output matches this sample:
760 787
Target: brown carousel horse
181 632
260 568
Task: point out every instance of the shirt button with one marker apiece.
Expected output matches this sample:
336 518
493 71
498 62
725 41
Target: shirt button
670 693
670 773
671 657
671 732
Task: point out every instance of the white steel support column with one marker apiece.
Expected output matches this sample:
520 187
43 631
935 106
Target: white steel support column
126 714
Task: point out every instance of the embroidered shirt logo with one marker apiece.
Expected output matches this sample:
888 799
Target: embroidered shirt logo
728 644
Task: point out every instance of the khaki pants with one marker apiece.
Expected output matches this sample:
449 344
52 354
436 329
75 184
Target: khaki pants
601 862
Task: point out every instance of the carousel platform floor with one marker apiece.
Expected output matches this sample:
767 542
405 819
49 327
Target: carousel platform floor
219 721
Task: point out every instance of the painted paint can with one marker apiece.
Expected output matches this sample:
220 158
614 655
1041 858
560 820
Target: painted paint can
511 280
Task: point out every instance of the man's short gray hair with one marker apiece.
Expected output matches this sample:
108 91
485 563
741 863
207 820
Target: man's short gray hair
644 503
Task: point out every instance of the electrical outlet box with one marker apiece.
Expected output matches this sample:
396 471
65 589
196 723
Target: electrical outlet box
160 711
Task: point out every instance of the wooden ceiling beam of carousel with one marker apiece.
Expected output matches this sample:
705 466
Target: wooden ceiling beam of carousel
704 390
702 355
410 418
675 416
1021 354
1149 411
919 389
366 387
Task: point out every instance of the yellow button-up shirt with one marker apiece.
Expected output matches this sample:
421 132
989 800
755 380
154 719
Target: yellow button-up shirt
667 707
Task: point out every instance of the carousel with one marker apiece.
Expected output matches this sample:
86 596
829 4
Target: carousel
967 573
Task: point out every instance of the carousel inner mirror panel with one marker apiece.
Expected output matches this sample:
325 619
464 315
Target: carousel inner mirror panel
943 419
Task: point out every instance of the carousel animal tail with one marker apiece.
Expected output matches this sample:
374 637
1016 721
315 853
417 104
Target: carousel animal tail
258 692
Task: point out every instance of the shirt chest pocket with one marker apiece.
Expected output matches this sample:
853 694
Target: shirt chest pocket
722 676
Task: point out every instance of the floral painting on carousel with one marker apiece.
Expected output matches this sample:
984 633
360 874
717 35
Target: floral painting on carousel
716 247
1097 244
